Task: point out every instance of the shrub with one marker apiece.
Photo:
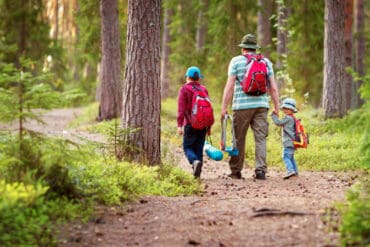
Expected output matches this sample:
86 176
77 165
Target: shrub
355 216
39 157
26 218
111 182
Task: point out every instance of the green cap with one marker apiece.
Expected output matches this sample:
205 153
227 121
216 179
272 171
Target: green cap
249 41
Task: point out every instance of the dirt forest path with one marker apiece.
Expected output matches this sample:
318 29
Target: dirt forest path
247 212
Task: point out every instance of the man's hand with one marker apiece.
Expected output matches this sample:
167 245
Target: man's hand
275 112
223 113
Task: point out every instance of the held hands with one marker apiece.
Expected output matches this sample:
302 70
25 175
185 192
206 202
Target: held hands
275 111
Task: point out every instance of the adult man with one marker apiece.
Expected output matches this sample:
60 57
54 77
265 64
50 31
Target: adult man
248 110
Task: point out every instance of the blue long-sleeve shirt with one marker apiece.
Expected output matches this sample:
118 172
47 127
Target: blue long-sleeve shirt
288 128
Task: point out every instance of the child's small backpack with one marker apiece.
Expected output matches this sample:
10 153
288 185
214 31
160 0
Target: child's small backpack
201 115
301 139
255 78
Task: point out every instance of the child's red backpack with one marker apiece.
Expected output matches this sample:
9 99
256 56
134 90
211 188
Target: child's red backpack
255 78
201 115
301 139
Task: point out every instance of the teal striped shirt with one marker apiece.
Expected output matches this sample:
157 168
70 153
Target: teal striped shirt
241 100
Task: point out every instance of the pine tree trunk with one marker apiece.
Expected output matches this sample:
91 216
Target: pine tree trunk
281 42
56 21
165 59
201 27
23 37
348 52
111 85
359 47
334 100
264 25
142 101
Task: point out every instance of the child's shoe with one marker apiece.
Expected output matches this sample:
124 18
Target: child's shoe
197 168
289 174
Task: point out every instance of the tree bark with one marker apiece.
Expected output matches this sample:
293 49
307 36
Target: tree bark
142 101
359 49
201 26
56 21
334 100
281 42
264 25
349 87
111 86
165 59
23 36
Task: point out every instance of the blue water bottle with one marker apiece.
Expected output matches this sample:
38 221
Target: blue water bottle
212 152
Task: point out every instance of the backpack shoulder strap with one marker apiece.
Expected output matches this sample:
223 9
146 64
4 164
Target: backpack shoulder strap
295 121
195 88
251 56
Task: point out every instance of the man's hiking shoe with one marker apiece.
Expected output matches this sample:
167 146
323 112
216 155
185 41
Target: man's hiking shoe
289 174
260 175
197 168
235 175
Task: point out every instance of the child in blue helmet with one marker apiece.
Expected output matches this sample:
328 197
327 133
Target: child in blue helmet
288 128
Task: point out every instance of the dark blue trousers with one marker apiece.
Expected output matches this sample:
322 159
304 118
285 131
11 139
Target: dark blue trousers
193 143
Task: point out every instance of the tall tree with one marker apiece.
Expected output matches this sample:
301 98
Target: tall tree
282 37
111 85
334 100
165 58
349 89
264 25
56 19
142 101
201 26
359 48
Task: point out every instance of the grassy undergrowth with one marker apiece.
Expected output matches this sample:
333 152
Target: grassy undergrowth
45 181
111 182
63 176
66 181
29 218
354 224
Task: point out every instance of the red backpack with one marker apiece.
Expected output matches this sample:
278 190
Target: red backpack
255 78
201 115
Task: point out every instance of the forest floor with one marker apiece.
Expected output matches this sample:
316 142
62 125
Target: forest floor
247 212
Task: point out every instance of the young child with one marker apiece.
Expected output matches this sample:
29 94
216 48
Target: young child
193 139
288 124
